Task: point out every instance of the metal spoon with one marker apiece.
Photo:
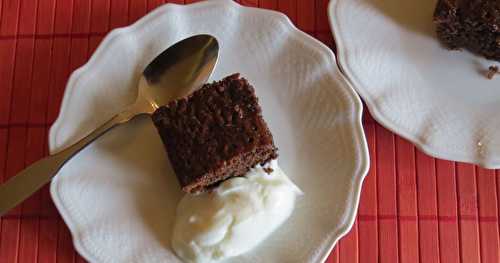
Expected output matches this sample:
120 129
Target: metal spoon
176 72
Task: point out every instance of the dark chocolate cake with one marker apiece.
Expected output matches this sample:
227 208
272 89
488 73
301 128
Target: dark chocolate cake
470 24
215 133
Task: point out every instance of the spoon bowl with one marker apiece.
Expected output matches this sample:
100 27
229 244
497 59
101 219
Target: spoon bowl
179 70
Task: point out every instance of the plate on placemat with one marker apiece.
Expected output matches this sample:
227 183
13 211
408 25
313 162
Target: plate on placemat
118 196
436 98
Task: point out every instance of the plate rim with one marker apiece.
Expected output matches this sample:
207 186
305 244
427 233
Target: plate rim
487 161
358 135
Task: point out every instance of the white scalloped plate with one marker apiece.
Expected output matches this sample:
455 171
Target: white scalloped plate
118 196
436 98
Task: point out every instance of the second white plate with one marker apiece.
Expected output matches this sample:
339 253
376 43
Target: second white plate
438 99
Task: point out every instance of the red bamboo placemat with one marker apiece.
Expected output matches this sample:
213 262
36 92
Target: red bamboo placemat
414 208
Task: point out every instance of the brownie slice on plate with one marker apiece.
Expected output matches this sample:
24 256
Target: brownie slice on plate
215 133
470 24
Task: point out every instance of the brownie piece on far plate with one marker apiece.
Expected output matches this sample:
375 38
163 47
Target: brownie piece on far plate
470 24
215 133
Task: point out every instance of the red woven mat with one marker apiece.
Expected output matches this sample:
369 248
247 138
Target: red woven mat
414 208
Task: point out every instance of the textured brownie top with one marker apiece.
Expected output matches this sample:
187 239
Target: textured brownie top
491 6
484 11
470 24
217 123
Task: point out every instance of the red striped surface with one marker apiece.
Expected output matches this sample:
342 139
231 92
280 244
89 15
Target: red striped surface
413 208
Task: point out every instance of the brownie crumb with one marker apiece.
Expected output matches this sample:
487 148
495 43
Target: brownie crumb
492 71
214 134
268 170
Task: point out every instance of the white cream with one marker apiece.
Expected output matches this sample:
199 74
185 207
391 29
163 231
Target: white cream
235 217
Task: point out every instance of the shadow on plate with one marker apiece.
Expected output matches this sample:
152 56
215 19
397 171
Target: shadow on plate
415 16
138 148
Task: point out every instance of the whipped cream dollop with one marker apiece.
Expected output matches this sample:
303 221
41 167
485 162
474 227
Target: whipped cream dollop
235 217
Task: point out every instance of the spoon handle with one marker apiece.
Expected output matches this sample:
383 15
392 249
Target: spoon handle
29 180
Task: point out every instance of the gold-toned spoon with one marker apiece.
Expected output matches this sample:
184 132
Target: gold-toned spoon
175 73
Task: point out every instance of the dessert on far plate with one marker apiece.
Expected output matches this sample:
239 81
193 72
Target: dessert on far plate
224 157
470 24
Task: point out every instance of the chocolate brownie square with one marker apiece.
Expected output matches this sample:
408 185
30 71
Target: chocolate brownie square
215 133
470 24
